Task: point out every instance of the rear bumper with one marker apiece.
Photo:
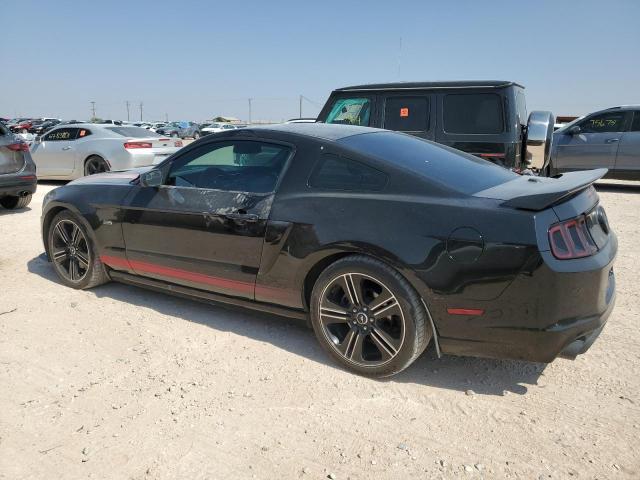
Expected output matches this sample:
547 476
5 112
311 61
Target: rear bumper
542 315
17 185
565 340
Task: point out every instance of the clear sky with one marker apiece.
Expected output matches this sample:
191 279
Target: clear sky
197 59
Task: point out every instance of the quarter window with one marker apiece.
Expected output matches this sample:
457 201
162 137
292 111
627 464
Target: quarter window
407 114
241 166
635 126
604 122
338 173
61 134
350 111
477 113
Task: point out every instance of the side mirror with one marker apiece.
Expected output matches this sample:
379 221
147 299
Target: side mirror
575 130
152 178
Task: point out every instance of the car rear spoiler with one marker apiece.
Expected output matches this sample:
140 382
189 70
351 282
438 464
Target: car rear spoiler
537 193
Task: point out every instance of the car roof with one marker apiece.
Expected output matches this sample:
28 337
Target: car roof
623 107
325 131
431 85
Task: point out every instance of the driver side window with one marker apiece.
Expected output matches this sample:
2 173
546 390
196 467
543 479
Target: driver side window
241 165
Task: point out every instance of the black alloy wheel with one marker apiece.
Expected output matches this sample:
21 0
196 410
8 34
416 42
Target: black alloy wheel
368 317
70 251
75 258
362 319
95 165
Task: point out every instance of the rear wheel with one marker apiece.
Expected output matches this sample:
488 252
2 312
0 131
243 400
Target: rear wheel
14 203
368 317
74 256
95 164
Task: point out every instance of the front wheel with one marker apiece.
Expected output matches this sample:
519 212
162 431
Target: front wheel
95 164
74 256
14 203
368 317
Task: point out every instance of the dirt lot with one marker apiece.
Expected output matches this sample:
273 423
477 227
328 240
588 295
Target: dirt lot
119 382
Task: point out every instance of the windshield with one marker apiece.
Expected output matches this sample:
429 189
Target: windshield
454 169
132 132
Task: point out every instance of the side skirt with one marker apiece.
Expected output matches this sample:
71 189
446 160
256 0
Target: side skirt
204 296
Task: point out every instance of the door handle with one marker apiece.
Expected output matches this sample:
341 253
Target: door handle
611 140
244 217
66 148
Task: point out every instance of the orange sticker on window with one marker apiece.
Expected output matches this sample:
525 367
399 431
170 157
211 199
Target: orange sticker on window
404 112
83 133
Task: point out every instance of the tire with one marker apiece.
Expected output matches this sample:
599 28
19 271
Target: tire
94 165
78 248
14 203
377 345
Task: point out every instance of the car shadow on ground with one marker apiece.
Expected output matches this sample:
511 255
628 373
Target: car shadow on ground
4 211
483 376
604 186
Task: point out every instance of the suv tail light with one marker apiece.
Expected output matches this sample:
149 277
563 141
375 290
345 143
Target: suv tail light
133 145
571 239
18 147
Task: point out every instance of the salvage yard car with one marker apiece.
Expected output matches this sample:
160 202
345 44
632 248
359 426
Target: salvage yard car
71 151
486 118
606 139
385 241
17 171
180 129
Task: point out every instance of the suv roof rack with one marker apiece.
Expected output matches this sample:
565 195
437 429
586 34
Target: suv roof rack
427 85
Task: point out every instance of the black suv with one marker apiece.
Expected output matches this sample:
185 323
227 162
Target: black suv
485 118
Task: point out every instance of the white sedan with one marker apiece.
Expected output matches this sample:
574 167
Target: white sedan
72 151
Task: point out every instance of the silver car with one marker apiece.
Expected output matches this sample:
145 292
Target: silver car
72 151
609 138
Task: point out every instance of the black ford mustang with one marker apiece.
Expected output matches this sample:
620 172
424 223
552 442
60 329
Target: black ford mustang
383 240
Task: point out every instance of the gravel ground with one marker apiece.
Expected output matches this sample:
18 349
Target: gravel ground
119 382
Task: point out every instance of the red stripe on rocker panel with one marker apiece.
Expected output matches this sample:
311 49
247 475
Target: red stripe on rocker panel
180 274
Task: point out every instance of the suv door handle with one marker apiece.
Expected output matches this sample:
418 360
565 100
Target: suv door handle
66 148
245 217
611 140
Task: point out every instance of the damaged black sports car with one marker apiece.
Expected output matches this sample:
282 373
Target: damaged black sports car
384 241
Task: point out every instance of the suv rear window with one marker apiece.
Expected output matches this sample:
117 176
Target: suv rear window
453 169
133 132
479 113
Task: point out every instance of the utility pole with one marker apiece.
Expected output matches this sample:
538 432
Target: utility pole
250 110
141 104
127 103
93 110
166 117
300 114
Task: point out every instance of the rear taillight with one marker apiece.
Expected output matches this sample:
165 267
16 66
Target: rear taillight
571 239
133 145
178 143
18 147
